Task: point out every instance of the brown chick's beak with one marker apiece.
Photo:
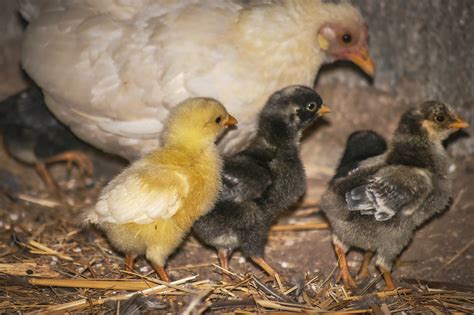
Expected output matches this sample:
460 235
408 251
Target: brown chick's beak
458 124
231 121
324 110
362 59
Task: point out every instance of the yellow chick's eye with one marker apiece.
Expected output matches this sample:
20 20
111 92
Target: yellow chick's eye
218 120
346 38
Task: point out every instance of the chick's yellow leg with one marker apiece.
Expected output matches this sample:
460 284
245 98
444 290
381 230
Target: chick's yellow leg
364 268
129 262
344 268
160 270
268 269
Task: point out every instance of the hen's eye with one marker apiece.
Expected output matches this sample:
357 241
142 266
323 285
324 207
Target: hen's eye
439 119
311 106
218 120
346 38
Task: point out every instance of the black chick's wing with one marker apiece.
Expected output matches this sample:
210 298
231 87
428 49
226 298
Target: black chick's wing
391 190
244 178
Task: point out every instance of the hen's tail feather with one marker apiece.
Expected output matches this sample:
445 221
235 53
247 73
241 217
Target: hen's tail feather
360 146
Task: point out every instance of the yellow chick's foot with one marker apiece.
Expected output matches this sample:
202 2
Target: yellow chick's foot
269 270
160 270
364 268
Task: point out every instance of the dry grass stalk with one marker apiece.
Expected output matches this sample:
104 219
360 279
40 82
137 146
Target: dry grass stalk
38 248
30 269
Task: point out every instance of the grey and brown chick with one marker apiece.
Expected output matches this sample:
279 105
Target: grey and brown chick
377 205
263 180
32 135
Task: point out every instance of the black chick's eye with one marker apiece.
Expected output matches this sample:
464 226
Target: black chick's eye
347 38
311 106
218 120
440 119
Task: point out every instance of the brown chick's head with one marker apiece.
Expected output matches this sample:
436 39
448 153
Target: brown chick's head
346 37
197 118
435 119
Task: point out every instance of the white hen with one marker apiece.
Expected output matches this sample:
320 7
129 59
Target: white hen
111 69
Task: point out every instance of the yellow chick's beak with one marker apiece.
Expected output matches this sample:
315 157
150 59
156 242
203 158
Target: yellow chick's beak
458 123
231 121
324 110
362 59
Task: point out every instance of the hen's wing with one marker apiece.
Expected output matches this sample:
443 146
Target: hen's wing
389 191
130 199
244 179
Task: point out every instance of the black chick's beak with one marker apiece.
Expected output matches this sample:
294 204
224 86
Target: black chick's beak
323 110
458 123
231 121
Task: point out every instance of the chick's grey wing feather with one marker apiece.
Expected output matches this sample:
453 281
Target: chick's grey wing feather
244 180
390 191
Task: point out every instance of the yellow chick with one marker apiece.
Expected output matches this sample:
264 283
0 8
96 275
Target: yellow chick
151 205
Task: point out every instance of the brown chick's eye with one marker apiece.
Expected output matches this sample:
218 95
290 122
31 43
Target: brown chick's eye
347 38
311 106
218 120
439 119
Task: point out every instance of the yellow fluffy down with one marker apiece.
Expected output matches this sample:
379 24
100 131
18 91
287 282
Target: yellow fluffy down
151 205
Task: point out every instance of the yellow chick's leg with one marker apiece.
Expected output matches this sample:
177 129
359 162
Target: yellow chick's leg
387 277
129 262
160 270
344 268
268 269
364 268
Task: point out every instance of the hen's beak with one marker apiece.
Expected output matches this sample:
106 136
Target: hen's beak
362 59
231 121
458 124
324 110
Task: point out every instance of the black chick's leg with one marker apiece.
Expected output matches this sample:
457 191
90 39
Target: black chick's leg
344 274
364 268
223 255
268 269
129 262
387 277
160 270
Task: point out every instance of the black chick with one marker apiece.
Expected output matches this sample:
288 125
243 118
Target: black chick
377 206
32 135
360 146
263 180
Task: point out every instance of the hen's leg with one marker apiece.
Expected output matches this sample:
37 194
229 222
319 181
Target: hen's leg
364 268
82 161
48 180
268 269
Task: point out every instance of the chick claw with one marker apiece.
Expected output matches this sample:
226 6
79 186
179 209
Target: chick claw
269 270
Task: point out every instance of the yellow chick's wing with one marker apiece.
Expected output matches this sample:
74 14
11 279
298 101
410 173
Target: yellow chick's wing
137 197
